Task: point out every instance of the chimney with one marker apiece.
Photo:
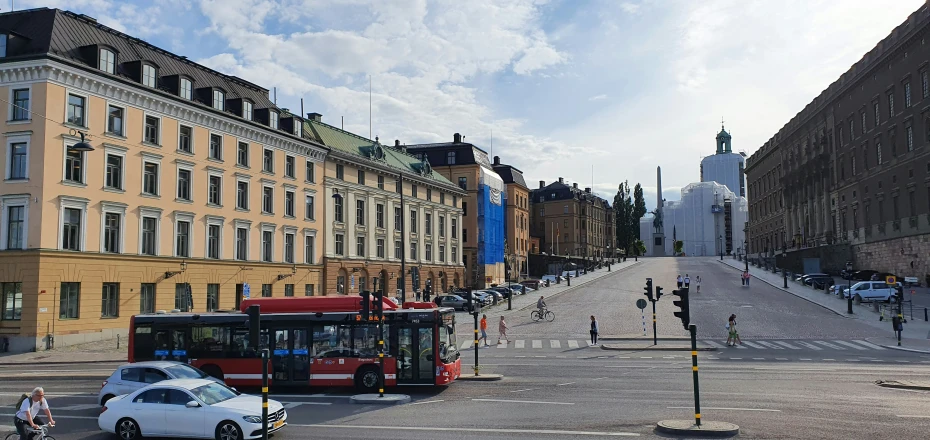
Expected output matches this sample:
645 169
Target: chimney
542 184
397 143
575 185
315 117
587 190
457 138
497 160
561 180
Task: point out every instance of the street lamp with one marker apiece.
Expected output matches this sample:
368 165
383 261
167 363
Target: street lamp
746 254
784 261
849 268
720 240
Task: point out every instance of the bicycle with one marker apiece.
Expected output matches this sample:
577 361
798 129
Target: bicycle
42 432
547 315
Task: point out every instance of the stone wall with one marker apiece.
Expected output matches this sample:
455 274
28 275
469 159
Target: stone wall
905 256
832 258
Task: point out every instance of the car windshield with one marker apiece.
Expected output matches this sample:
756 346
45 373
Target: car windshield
186 372
213 393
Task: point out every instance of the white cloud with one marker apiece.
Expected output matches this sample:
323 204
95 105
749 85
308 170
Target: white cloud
629 8
597 97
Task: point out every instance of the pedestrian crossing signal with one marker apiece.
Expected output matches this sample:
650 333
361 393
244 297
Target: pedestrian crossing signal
648 288
682 303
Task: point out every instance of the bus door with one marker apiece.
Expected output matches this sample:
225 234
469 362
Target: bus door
290 356
171 344
415 358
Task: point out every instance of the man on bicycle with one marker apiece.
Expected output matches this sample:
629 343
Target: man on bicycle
541 306
28 413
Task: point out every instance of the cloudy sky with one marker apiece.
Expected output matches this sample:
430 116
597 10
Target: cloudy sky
563 85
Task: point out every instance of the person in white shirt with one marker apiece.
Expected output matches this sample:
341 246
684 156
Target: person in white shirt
680 281
28 414
687 281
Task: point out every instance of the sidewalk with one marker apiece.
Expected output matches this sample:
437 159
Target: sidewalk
105 351
523 303
916 331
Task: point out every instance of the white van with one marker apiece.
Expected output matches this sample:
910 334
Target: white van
873 291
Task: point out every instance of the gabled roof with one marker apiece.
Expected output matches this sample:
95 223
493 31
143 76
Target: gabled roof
341 141
510 175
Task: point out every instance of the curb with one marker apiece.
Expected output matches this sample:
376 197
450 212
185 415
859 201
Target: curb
689 429
844 315
896 385
556 295
375 399
655 348
46 362
912 350
481 378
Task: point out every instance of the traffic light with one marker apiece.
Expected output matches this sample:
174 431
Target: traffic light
377 306
899 293
366 305
685 313
658 292
648 288
254 324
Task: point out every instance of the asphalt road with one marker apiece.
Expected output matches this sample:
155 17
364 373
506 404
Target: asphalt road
566 392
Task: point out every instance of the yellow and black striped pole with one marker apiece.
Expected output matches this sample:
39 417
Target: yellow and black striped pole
694 371
475 309
265 356
655 329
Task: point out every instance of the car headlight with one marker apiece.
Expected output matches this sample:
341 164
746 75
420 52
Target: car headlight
252 419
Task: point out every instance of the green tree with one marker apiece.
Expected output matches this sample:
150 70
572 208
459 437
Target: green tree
639 208
679 247
623 217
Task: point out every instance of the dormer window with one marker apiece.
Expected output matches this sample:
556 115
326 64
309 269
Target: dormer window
247 110
148 75
219 100
273 119
107 61
296 127
186 89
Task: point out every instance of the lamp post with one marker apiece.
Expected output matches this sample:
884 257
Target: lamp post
746 254
784 260
849 268
403 244
720 240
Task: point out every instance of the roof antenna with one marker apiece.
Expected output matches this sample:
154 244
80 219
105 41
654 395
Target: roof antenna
369 106
301 107
343 123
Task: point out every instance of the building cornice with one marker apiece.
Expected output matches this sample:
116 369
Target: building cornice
151 101
409 175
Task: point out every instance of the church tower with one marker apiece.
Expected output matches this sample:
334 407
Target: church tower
723 141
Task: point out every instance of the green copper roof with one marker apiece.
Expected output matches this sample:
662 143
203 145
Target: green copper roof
349 143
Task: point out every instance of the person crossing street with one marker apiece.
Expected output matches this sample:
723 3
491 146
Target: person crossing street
594 330
484 330
502 329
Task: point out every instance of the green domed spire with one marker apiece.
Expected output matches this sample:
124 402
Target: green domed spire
723 141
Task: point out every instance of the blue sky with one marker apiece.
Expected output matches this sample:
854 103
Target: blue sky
563 85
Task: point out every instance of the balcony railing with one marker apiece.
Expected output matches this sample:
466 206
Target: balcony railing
896 225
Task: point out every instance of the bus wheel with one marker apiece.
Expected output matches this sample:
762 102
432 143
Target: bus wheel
366 378
213 371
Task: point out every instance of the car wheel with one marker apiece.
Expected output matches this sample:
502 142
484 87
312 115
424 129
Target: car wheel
227 430
105 398
128 429
367 379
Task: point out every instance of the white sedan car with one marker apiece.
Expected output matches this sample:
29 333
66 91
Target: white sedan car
189 408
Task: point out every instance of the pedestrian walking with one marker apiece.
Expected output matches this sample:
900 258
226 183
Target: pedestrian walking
484 330
594 330
697 282
687 281
680 281
733 334
746 278
502 329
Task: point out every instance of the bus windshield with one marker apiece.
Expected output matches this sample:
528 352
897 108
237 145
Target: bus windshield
448 349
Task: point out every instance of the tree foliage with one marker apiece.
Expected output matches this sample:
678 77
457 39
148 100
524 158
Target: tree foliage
639 207
629 208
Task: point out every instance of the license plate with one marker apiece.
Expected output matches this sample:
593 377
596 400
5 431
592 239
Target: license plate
277 424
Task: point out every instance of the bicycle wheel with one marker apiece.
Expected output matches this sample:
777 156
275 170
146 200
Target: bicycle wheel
12 436
534 315
550 316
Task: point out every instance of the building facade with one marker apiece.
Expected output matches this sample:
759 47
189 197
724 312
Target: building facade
187 199
369 229
725 167
469 167
572 221
516 219
850 170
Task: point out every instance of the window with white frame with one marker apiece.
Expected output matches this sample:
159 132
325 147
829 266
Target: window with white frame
428 251
74 166
149 75
115 120
185 177
77 110
339 244
182 235
360 212
152 130
442 254
109 307
397 218
242 154
150 177
297 127
3 44
289 244
398 249
379 248
242 242
242 195
73 211
413 251
247 110
215 190
186 139
290 166
309 248
267 243
442 226
428 223
149 236
379 215
15 221
337 209
289 203
107 61
413 222
186 89
450 158
311 174
219 99
455 257
112 232
216 146
360 246
268 160
273 119
267 199
19 110
309 209
214 238
17 158
114 171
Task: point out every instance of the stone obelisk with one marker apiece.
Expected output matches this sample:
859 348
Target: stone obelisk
658 231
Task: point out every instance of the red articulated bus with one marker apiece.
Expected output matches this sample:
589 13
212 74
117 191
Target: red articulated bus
313 341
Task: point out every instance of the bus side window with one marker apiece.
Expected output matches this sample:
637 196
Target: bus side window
143 344
324 340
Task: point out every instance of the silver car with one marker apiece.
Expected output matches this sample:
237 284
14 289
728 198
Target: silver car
131 377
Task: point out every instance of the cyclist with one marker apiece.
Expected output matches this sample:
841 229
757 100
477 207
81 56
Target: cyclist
28 413
541 305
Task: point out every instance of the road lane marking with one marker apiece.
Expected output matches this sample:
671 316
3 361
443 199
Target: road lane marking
519 344
572 344
785 344
714 344
781 359
737 359
769 345
599 378
539 402
502 344
645 357
850 344
804 359
754 345
555 343
758 359
290 405
726 409
523 356
868 344
525 389
563 384
428 401
537 343
808 345
828 359
829 345
475 430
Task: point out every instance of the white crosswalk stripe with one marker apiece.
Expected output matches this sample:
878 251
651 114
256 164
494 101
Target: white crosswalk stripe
554 343
808 345
590 344
850 344
829 345
785 344
537 343
753 345
502 344
519 344
791 344
466 345
769 345
869 344
572 343
714 344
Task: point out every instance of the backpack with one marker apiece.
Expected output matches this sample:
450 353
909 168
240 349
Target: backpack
19 403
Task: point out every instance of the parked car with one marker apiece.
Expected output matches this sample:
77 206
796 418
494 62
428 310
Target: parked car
504 292
821 283
454 301
863 275
480 297
803 278
131 377
532 284
553 278
496 295
189 408
872 291
519 287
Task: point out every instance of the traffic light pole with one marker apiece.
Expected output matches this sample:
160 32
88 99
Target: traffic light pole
265 356
380 299
655 336
694 369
